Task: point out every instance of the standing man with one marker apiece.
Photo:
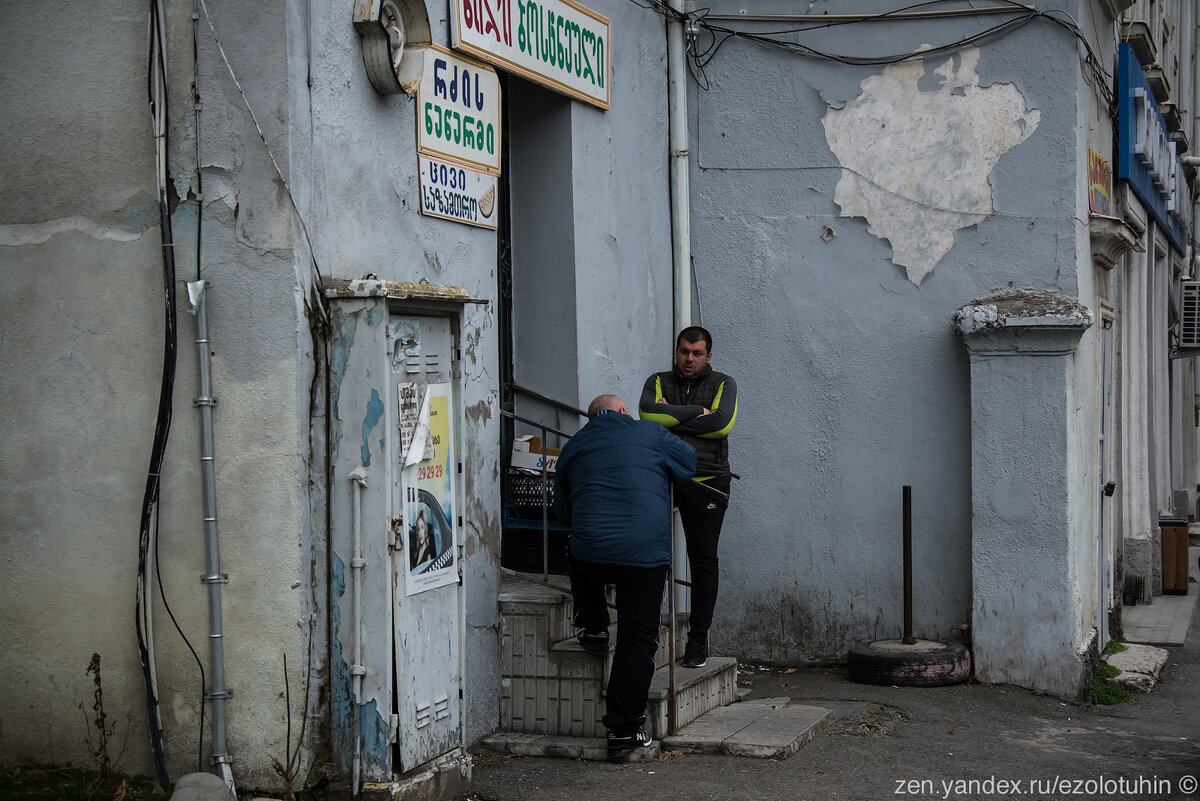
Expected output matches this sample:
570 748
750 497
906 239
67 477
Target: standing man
700 405
612 485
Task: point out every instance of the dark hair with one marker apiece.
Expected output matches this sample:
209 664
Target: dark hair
693 334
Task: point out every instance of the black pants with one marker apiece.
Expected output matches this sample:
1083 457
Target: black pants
639 609
702 512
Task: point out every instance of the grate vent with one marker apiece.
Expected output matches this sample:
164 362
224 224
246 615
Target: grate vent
1189 326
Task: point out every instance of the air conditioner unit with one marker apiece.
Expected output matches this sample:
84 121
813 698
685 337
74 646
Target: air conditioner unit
1189 325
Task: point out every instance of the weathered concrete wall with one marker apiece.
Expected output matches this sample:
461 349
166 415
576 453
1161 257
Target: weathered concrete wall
82 309
1027 570
840 215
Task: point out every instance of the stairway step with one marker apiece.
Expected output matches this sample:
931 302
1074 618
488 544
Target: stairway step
697 690
771 728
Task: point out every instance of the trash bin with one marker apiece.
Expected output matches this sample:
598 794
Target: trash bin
1174 555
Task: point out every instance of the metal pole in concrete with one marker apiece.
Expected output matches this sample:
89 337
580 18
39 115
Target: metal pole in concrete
908 626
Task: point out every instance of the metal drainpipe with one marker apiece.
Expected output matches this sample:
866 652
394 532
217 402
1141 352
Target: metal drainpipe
358 478
212 553
681 227
681 232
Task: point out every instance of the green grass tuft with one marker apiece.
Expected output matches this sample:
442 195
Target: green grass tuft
1104 693
1115 647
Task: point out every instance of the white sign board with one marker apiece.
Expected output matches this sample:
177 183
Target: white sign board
458 193
458 110
557 43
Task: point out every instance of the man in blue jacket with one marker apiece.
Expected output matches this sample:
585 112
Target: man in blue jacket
612 485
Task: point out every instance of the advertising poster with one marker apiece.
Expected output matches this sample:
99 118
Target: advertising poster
429 540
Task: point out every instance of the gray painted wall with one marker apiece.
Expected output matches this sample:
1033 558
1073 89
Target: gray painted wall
852 380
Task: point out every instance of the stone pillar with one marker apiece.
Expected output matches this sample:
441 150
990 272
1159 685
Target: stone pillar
1026 607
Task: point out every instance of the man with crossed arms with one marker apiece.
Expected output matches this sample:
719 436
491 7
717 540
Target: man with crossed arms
699 405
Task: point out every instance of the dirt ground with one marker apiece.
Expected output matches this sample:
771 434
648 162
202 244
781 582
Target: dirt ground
969 741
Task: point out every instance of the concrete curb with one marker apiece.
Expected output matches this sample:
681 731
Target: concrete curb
1140 666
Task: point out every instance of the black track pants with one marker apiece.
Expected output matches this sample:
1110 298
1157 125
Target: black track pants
702 512
639 609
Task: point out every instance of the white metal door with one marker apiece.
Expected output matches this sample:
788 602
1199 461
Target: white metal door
426 552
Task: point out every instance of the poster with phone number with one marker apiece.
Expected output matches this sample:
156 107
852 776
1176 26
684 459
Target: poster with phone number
429 497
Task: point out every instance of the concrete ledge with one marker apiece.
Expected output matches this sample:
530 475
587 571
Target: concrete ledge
448 777
767 729
1140 666
594 749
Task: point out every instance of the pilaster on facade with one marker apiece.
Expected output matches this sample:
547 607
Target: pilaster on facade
1023 562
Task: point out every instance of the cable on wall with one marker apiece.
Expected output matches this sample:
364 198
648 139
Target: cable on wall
157 89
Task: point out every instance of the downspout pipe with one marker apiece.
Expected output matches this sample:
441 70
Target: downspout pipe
681 227
204 402
358 480
681 236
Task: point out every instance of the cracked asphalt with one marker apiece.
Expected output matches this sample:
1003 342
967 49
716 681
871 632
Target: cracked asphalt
968 741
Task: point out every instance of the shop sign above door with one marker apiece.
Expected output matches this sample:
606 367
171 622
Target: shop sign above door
457 193
458 111
557 43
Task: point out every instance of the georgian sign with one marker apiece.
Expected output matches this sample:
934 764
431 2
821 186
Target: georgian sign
557 43
458 111
458 193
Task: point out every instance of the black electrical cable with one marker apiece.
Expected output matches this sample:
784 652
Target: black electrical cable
199 662
162 425
153 475
719 34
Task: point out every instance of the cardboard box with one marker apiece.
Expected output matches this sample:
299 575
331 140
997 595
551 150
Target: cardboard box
528 453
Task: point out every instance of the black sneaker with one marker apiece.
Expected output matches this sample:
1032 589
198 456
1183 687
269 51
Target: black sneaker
695 655
620 748
594 642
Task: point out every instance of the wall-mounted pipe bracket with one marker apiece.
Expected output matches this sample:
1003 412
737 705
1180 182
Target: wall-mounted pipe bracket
221 579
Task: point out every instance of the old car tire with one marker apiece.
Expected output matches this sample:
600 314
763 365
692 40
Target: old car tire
950 664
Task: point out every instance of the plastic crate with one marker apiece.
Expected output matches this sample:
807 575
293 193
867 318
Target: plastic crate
524 493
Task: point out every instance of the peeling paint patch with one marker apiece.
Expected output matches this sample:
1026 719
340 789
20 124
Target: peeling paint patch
916 162
479 411
372 418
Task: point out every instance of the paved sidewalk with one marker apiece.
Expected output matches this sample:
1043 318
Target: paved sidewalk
1166 620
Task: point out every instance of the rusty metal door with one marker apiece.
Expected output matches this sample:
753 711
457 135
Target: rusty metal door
426 540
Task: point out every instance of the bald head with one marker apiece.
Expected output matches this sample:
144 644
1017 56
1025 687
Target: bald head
610 402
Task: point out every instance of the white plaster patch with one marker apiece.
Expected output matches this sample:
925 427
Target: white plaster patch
916 163
17 235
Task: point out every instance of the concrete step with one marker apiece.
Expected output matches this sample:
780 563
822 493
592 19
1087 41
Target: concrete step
771 728
534 616
551 686
697 691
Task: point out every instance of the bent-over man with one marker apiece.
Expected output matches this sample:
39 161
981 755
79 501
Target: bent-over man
612 485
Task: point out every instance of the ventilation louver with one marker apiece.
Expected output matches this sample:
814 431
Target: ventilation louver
1189 325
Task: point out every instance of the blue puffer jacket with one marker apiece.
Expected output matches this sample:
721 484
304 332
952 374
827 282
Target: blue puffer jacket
611 485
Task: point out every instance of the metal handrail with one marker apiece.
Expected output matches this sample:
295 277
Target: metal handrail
566 407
